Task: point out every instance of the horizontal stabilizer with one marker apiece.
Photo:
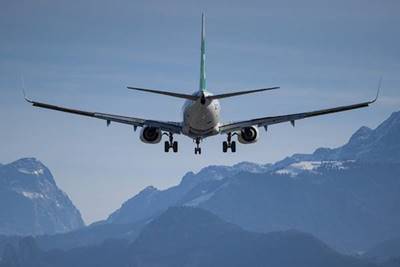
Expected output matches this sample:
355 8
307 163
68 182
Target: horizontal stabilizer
240 93
184 96
196 97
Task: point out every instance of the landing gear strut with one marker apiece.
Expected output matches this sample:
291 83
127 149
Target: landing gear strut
229 144
171 143
197 149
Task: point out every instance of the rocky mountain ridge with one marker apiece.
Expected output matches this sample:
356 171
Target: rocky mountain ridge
38 205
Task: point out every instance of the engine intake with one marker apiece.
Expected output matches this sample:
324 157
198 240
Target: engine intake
150 135
248 135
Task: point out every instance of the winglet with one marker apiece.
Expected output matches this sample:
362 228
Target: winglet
377 92
23 91
25 97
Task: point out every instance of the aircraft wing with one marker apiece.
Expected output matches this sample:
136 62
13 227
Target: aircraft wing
265 121
173 127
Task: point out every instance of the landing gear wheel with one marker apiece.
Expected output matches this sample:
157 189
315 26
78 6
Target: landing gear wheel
166 146
171 143
224 146
175 146
229 144
233 146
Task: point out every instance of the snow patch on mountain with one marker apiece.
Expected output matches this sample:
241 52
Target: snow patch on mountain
204 197
307 165
34 172
296 168
32 195
251 167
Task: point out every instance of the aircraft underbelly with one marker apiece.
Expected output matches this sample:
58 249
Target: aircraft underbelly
201 120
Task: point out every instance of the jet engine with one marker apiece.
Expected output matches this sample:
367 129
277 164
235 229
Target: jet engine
248 135
150 135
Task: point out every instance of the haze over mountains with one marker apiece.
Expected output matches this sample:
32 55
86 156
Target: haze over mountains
297 212
188 237
385 251
348 196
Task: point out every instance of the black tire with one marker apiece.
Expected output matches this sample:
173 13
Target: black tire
233 146
166 146
224 146
175 146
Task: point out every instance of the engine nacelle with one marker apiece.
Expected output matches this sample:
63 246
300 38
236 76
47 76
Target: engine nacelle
150 135
248 135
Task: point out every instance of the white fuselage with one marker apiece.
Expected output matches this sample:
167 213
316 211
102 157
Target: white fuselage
201 119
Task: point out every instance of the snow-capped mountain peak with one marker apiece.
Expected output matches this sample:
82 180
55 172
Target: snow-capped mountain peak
29 166
39 205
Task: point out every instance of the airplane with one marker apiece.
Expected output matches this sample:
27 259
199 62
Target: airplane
201 115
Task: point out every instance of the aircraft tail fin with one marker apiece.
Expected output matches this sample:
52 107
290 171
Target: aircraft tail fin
202 78
203 55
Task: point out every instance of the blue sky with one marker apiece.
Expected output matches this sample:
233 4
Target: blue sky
83 54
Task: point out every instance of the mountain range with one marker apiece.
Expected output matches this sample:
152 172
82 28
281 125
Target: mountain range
347 196
185 236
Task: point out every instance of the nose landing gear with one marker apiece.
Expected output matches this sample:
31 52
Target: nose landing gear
229 144
197 149
170 144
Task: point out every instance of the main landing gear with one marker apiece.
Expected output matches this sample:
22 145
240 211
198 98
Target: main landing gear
170 144
197 149
229 144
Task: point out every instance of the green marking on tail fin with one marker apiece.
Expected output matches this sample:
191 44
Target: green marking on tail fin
203 56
